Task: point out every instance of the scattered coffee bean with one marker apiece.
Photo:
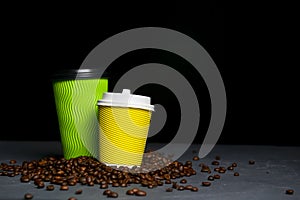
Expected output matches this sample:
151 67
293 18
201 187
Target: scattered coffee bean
169 190
217 176
24 179
289 191
194 189
150 186
168 181
205 183
210 178
78 192
188 187
236 174
113 194
104 186
28 196
196 158
175 185
135 190
205 168
217 169
50 187
251 162
183 181
40 184
72 198
180 188
12 162
230 168
130 192
64 187
107 192
234 164
215 162
140 193
115 184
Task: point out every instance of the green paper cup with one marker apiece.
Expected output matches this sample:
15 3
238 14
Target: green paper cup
76 93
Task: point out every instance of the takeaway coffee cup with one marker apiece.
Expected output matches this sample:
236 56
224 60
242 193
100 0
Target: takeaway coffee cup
124 121
76 94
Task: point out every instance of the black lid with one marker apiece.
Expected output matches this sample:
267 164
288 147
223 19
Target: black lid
70 74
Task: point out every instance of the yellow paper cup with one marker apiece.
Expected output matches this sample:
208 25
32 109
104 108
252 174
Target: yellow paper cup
124 121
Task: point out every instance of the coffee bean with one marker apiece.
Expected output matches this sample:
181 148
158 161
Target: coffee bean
205 183
41 184
205 168
210 178
217 169
194 189
123 185
217 176
72 198
113 195
175 185
236 174
91 184
234 164
135 190
196 158
140 193
289 191
251 162
188 162
188 187
115 184
169 190
215 162
183 181
180 188
24 179
230 168
50 187
28 196
168 181
64 187
107 192
104 186
130 192
78 192
12 162
150 186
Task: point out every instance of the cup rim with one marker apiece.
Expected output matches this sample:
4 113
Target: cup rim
72 74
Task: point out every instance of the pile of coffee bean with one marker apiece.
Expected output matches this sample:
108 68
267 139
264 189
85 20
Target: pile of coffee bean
156 170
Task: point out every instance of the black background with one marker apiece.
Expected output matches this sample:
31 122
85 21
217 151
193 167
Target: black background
252 49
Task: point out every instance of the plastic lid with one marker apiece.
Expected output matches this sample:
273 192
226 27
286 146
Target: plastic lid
125 99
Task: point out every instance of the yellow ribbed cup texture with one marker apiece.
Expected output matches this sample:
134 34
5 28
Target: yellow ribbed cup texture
123 135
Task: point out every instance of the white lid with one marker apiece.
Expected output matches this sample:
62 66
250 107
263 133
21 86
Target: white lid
125 99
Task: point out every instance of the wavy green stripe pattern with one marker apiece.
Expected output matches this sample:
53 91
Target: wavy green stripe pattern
76 105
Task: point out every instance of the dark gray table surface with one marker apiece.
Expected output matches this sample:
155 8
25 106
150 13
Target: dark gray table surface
276 169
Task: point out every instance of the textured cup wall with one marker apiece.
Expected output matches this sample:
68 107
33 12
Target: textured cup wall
123 135
76 105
